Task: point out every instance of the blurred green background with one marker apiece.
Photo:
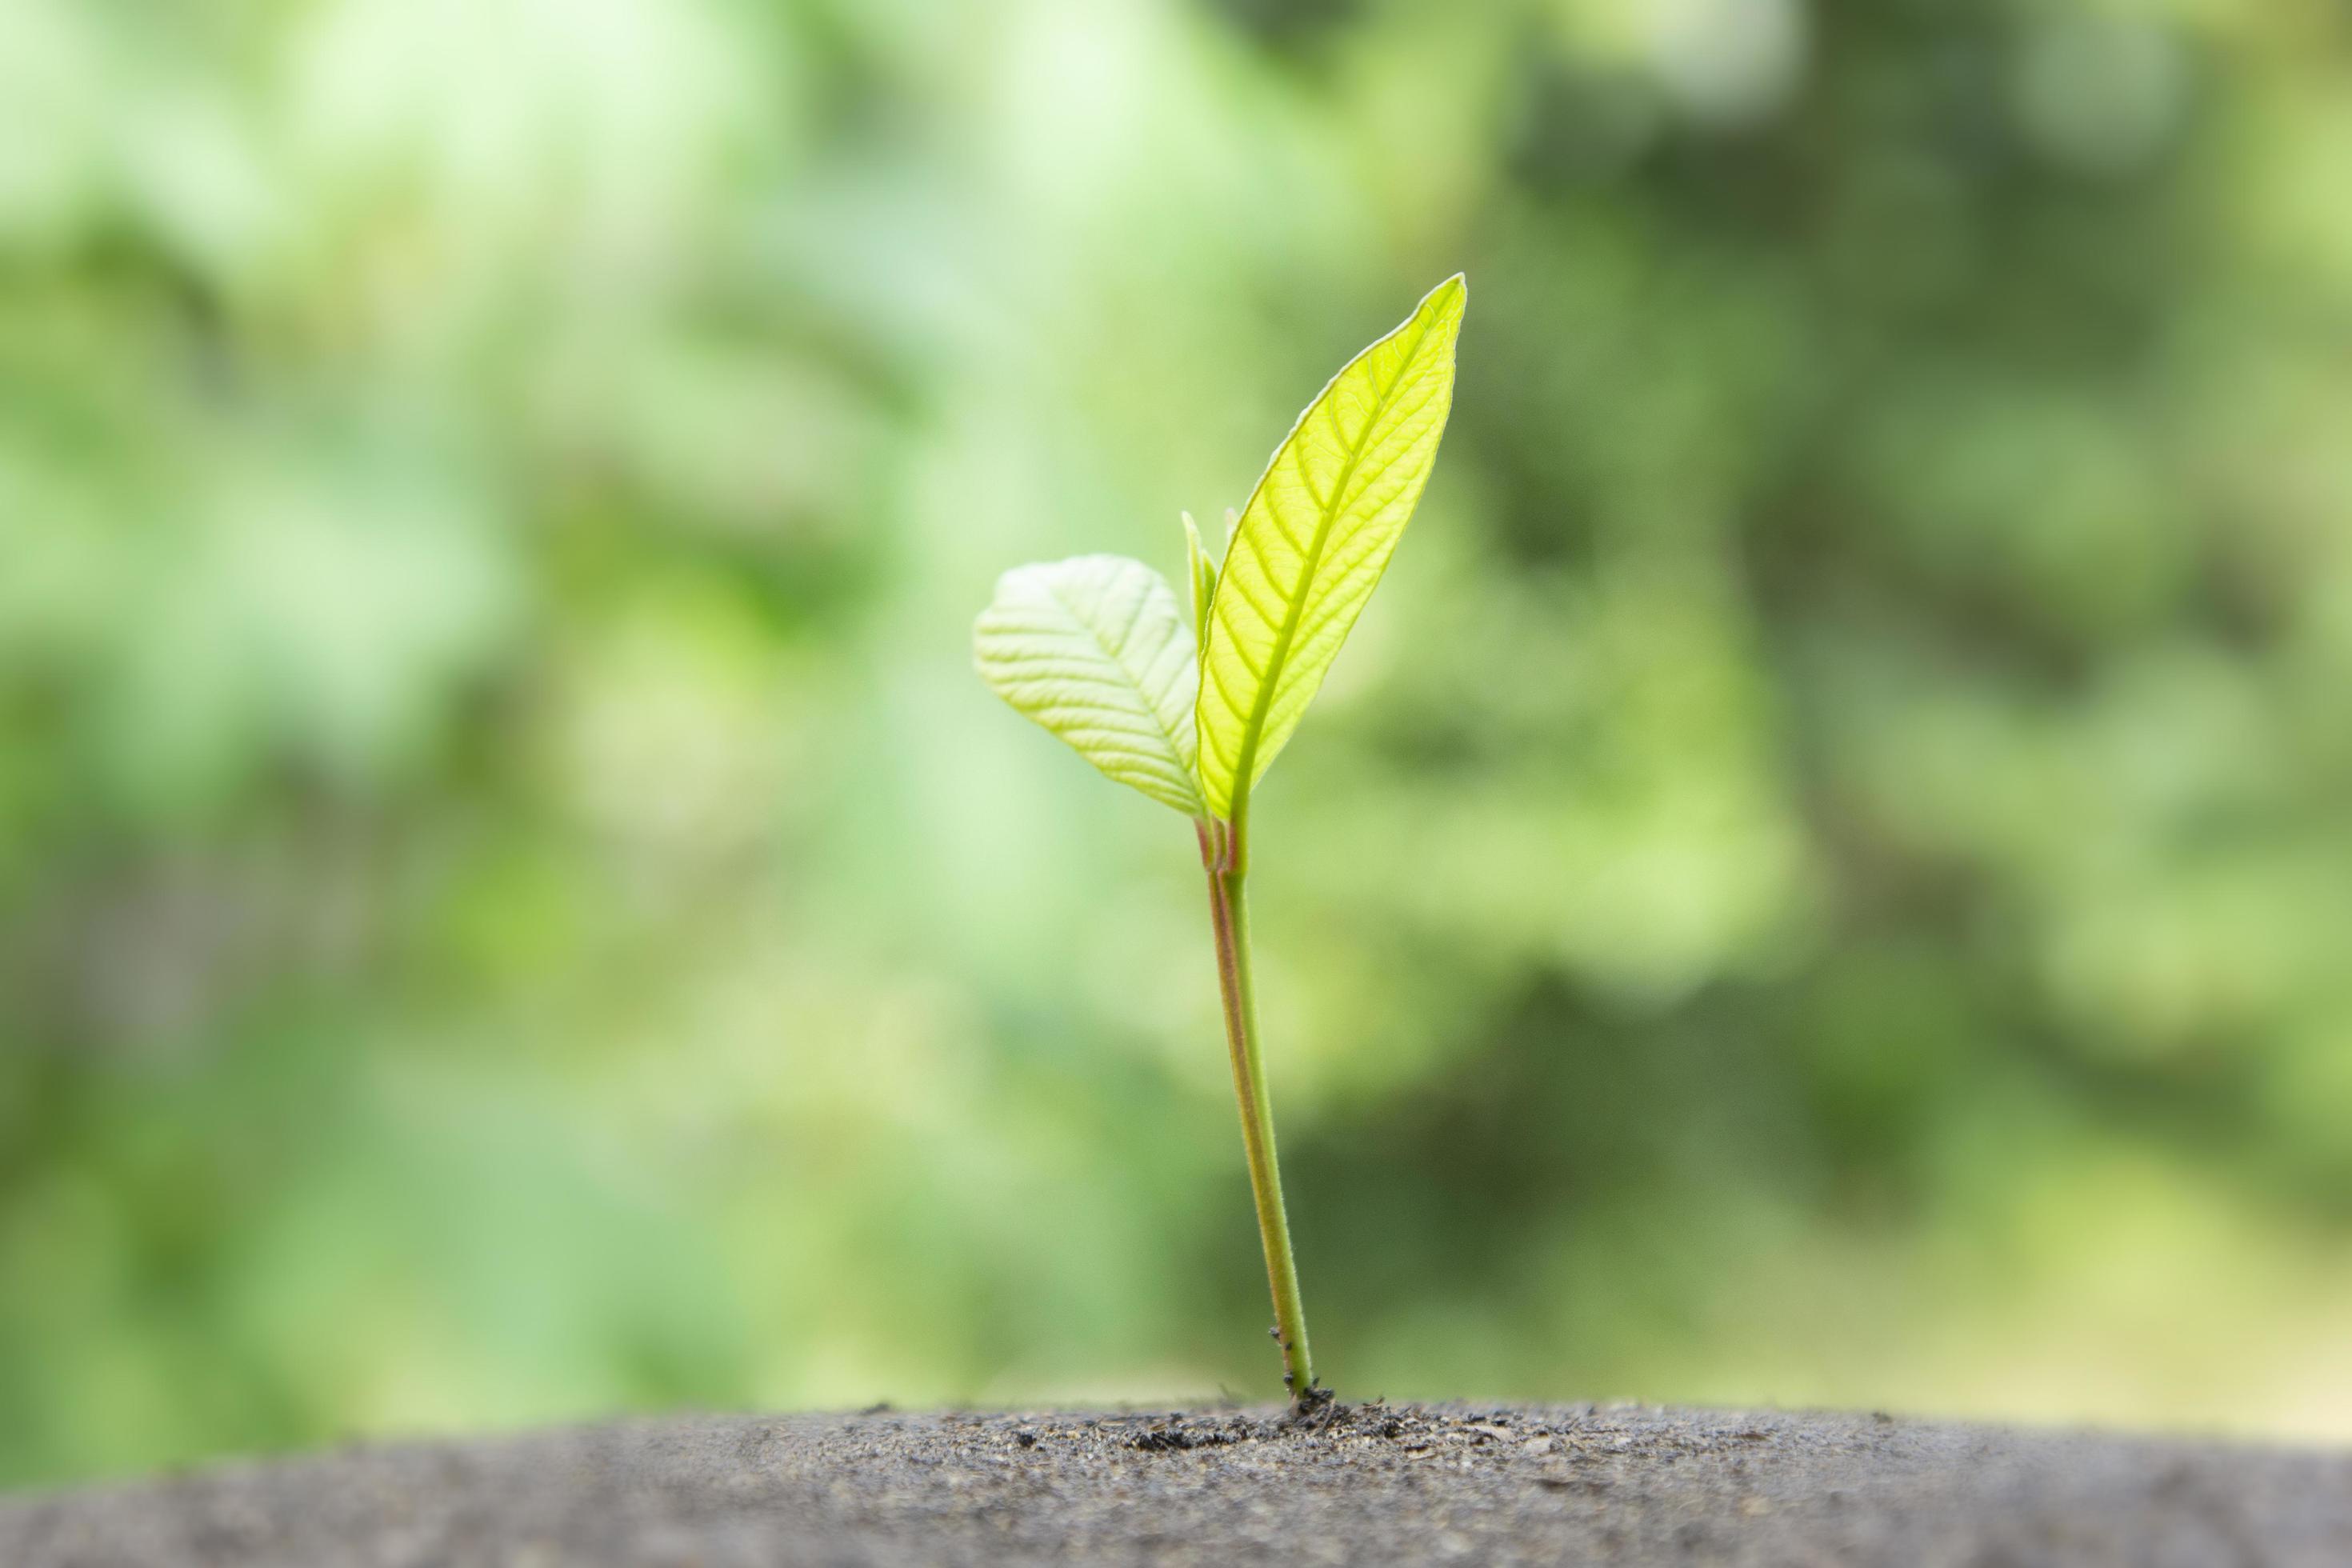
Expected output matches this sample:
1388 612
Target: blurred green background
1823 877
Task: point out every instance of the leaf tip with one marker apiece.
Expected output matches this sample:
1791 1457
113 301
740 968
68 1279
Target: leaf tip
1450 298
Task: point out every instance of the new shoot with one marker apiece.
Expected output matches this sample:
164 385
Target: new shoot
1097 649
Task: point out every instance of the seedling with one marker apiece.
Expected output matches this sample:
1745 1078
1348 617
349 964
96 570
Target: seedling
1097 650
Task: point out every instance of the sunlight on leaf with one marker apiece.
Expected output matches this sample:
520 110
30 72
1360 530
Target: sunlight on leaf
1095 649
1313 540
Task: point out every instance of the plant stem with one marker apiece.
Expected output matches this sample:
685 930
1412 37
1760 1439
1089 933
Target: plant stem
1228 914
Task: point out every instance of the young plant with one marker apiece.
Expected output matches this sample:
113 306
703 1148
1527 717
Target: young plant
1097 650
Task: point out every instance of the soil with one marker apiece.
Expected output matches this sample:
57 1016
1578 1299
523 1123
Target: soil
1363 1485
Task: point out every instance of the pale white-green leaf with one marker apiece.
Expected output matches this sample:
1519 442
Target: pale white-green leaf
1095 649
1314 538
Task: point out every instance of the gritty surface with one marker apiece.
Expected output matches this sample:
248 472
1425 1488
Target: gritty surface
1374 1485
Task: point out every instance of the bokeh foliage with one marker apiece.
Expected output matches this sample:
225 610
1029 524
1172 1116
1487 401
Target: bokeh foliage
1824 877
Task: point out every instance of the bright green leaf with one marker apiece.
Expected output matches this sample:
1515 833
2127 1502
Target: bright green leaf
1313 540
1203 570
1095 650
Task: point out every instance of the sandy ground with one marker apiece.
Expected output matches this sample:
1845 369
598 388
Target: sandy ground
1377 1485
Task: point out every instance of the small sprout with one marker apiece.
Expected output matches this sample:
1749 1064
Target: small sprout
1204 567
1095 649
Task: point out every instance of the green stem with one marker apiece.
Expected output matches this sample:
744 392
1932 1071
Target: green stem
1221 854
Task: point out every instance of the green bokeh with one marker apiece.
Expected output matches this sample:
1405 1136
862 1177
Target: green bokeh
1823 877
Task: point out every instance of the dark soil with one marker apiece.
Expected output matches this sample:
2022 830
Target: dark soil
1370 1485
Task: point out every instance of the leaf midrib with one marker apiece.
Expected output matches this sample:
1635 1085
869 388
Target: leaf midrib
1134 681
1245 760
